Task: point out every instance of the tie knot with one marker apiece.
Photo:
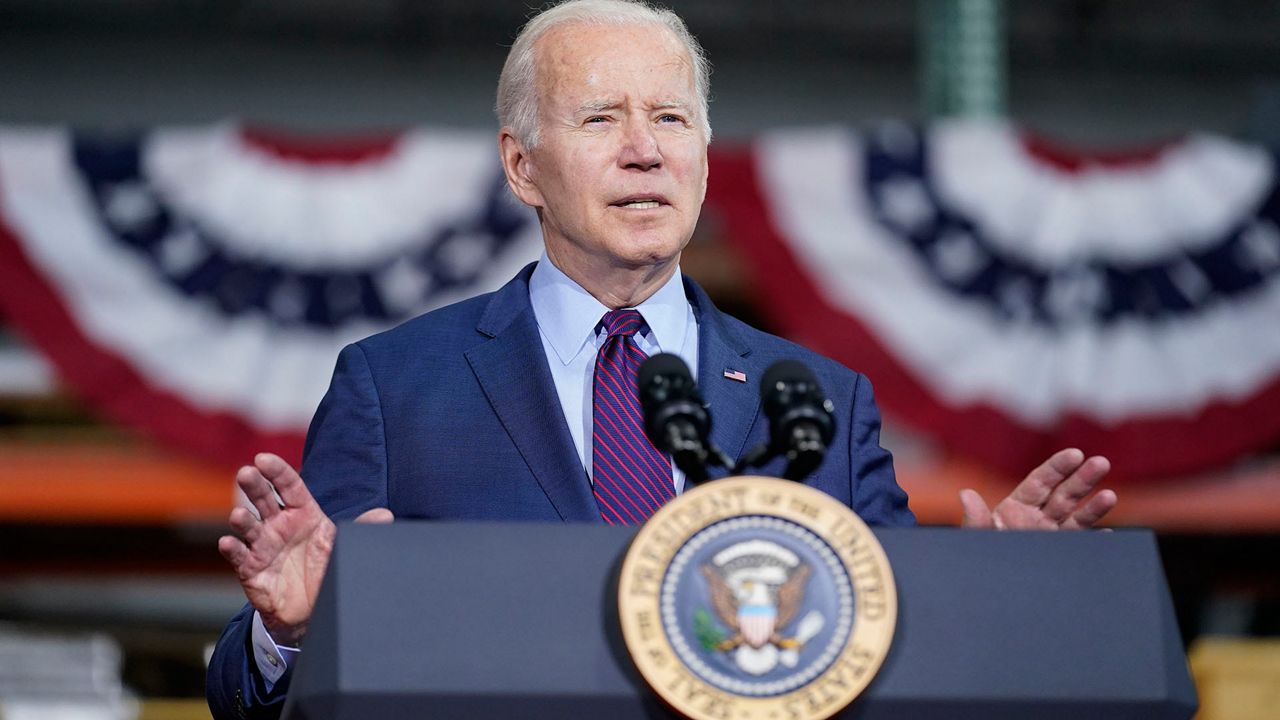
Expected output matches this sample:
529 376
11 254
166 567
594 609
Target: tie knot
625 322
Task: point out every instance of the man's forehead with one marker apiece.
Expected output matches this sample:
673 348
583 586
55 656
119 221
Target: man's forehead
585 53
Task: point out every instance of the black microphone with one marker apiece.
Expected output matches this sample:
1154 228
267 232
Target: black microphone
674 416
801 418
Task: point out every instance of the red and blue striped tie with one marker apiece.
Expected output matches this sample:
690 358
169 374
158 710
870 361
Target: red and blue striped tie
632 479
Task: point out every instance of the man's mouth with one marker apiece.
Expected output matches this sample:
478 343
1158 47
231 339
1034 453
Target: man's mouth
647 202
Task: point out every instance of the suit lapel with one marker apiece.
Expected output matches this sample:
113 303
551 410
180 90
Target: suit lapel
734 406
512 370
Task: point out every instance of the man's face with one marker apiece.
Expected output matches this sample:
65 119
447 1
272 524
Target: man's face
620 170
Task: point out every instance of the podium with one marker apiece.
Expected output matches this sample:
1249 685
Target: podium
502 620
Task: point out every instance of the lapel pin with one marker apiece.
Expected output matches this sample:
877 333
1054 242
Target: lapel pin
735 375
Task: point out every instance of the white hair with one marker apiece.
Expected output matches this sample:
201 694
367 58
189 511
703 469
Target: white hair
517 105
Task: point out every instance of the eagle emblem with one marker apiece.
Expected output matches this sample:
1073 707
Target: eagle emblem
757 588
738 599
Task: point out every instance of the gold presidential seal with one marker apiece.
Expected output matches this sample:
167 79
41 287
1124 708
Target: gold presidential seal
751 597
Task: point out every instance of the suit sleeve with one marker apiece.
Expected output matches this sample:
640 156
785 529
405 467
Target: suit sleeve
344 462
877 497
234 688
345 467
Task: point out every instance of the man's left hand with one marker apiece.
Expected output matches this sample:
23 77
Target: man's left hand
1052 497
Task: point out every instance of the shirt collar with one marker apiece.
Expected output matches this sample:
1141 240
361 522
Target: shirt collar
567 314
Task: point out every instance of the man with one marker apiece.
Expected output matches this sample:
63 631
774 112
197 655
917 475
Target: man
520 404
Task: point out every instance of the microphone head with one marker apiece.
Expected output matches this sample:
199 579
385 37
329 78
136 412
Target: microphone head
668 394
791 396
662 380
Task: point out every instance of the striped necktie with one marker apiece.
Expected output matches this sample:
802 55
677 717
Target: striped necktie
632 479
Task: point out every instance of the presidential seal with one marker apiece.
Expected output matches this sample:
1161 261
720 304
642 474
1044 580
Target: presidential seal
752 597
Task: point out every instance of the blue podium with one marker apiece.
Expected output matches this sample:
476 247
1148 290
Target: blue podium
503 620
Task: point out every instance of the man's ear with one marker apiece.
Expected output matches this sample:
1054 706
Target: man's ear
706 173
518 166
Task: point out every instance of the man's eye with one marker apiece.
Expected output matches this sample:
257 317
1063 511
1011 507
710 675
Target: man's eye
671 119
597 119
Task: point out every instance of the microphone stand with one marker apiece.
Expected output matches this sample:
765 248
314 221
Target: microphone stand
691 456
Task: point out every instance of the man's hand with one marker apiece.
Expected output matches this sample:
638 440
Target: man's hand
1050 498
280 558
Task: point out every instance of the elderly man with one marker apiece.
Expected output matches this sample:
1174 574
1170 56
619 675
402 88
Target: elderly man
521 404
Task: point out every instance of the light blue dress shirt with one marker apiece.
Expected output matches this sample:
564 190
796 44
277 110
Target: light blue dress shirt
569 324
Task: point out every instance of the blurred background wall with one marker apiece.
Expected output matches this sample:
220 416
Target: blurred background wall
107 533
1080 70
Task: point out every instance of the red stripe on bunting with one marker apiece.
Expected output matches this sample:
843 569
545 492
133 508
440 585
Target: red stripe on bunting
1074 159
1151 446
111 384
328 149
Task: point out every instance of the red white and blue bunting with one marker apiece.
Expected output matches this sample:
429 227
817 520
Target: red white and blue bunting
1010 303
199 282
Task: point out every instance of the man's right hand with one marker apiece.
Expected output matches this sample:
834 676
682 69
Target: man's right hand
280 558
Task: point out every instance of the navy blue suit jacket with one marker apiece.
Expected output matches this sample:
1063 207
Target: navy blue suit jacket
454 415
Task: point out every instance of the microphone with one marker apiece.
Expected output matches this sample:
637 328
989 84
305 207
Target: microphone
675 418
801 417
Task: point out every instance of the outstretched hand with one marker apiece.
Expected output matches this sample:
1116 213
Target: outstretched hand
281 553
1051 497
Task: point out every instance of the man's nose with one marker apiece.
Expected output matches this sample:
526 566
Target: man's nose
640 147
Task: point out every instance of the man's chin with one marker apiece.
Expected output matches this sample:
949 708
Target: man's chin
658 257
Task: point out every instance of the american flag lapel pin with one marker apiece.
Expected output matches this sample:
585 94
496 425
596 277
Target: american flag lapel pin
735 375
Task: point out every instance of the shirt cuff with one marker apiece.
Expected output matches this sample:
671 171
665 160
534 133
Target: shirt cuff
272 659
